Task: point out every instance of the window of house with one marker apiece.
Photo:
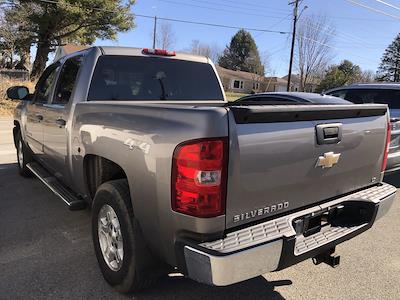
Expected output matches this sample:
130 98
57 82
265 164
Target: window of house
256 85
238 84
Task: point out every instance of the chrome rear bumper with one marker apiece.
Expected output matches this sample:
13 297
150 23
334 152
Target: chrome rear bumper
274 244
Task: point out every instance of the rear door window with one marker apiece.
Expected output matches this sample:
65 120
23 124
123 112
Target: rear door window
153 78
358 96
45 84
66 81
383 96
389 97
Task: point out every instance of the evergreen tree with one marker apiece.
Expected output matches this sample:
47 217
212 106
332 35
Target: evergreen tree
242 54
389 69
338 75
53 23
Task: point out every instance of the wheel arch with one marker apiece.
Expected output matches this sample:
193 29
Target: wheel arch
98 170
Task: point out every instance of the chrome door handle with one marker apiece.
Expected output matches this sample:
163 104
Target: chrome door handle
61 122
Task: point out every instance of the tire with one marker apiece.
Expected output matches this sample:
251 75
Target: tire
24 156
112 213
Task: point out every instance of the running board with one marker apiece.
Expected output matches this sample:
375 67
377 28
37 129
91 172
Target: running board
70 199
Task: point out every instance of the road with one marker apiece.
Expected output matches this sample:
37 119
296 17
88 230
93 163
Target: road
46 253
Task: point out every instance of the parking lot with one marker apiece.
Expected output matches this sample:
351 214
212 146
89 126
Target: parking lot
46 253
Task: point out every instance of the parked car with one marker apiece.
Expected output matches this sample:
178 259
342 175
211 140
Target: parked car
378 93
179 179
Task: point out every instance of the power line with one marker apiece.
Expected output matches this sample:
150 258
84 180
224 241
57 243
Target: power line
219 9
256 5
275 24
332 47
221 25
337 34
373 9
388 4
183 21
247 8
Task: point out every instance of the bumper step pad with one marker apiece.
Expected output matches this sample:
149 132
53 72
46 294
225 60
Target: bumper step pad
305 244
278 228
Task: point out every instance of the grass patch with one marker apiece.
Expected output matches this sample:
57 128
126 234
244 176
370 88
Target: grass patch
7 106
231 96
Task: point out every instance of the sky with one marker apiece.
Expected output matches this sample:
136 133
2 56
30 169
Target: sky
361 35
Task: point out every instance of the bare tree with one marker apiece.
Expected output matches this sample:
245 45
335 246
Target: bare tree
313 50
165 38
212 51
367 76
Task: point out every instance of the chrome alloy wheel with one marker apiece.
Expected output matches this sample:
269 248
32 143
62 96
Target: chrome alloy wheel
20 154
110 237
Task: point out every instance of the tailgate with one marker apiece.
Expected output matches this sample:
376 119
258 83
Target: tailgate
278 163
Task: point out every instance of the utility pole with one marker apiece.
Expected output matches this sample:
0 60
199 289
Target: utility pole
154 32
295 11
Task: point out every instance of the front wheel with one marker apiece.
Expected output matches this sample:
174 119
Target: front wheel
23 156
118 243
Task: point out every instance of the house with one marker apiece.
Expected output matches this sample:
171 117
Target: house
275 84
295 83
246 83
240 81
67 49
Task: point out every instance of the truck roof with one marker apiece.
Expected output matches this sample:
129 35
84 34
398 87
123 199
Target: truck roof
395 86
132 51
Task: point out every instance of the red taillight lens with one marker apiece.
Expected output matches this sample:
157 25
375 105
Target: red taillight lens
199 173
160 52
385 155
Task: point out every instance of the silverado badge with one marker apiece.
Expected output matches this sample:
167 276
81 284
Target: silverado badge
328 160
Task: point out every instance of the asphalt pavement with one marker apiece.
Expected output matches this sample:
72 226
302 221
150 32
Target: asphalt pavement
46 253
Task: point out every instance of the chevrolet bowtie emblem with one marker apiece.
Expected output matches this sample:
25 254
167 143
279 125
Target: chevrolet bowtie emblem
328 160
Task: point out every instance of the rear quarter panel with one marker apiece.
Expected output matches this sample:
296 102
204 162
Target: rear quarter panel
107 129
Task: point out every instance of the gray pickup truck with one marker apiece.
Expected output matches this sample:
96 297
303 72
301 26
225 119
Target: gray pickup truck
179 179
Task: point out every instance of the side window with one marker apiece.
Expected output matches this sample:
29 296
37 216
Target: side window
340 94
66 81
45 84
355 96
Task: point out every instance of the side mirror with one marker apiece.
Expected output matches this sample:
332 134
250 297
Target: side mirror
18 93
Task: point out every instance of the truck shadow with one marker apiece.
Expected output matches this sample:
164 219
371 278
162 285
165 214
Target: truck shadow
50 221
393 179
184 288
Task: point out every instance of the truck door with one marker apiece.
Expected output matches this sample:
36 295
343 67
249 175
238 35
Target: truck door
36 110
56 133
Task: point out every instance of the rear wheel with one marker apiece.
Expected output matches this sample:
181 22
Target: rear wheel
123 257
23 156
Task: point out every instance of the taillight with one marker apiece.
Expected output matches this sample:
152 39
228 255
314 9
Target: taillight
385 155
199 174
160 52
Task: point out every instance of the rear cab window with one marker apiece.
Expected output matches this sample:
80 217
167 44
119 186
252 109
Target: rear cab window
136 78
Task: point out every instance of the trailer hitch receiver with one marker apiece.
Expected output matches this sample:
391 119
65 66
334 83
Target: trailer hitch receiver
329 257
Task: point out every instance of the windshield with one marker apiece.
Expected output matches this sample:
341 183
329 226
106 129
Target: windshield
153 78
